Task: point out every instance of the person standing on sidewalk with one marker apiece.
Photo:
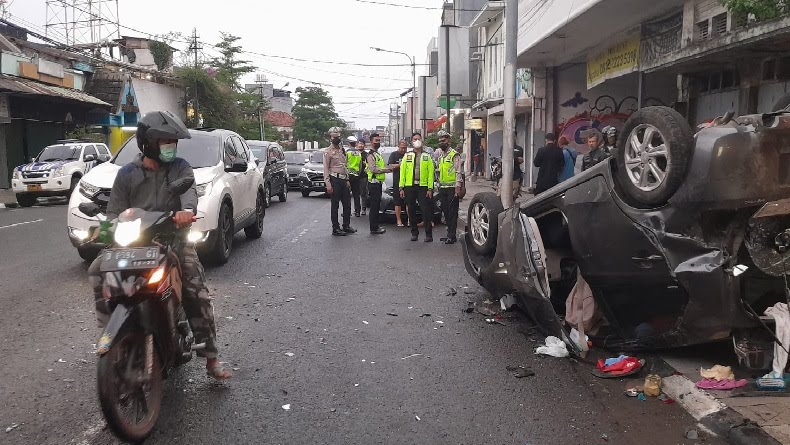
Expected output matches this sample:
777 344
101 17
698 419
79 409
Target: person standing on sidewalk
337 184
549 162
354 165
376 172
394 163
569 156
450 184
416 184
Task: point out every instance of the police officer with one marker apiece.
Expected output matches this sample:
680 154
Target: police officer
450 184
416 184
354 165
337 183
597 154
376 170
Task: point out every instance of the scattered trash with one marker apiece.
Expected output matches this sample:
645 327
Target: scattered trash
417 417
613 360
583 345
620 368
725 384
494 320
452 292
666 399
289 354
653 385
439 321
50 370
191 381
365 322
521 371
605 437
410 356
392 314
632 392
641 396
287 406
486 311
469 310
332 409
322 340
770 384
692 435
468 291
507 302
16 425
356 384
229 317
60 360
717 372
425 315
553 347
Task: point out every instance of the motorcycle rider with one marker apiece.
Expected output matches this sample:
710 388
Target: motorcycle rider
143 184
610 139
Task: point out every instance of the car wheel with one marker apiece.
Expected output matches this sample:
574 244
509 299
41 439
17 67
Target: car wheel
220 253
268 196
75 180
284 193
783 103
88 253
255 230
26 200
305 193
653 156
483 222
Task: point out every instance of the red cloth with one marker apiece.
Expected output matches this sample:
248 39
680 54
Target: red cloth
625 365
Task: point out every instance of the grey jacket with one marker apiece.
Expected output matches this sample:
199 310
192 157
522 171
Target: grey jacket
136 187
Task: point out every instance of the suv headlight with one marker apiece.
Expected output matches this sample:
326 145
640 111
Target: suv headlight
203 189
60 171
17 174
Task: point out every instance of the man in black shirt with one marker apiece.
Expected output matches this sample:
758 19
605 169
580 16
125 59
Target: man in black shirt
394 163
549 161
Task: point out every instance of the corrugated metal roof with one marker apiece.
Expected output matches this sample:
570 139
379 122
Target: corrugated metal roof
26 86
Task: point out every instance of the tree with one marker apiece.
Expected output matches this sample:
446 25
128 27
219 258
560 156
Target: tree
760 9
162 50
229 68
314 114
217 105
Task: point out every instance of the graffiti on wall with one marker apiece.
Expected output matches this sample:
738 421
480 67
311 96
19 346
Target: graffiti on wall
594 115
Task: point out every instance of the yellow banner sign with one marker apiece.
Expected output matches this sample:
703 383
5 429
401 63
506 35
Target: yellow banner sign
615 61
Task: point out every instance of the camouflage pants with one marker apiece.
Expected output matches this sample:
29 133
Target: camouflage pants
196 301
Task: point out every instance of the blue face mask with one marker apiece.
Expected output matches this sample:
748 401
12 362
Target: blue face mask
167 153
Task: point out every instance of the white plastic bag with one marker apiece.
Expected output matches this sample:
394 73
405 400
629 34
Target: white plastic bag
554 347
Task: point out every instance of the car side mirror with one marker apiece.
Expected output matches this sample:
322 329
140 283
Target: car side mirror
89 158
238 166
181 186
90 209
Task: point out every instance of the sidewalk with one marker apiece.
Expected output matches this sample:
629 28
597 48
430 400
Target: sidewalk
7 198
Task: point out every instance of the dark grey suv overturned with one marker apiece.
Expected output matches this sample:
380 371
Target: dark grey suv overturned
676 235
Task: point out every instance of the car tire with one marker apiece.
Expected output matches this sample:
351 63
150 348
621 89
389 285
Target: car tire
268 195
26 200
782 104
284 193
482 222
88 253
223 245
75 180
255 230
647 174
305 193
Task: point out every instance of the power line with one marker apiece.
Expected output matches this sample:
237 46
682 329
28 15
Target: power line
400 5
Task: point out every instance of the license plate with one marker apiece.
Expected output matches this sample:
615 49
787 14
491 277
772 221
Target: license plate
126 259
34 188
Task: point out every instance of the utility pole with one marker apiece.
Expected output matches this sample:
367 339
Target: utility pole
509 125
195 47
261 79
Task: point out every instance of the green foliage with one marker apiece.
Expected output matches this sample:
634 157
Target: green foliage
229 68
761 9
432 140
162 53
84 133
315 115
215 100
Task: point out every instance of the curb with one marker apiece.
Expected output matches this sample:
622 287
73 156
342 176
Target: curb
714 415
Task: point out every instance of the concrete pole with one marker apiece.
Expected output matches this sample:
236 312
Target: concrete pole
509 125
447 75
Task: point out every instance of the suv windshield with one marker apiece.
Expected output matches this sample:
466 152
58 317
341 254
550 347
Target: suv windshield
60 153
258 149
200 151
317 157
296 157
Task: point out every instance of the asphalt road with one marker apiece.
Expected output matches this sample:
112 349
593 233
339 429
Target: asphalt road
357 375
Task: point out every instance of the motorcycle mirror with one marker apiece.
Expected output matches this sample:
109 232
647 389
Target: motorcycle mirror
180 186
90 209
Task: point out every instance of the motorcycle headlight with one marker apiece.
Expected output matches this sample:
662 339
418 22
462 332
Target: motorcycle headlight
203 189
17 174
127 232
55 172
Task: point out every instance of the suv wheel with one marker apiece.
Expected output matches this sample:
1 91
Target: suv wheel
268 195
255 230
284 192
483 222
26 200
220 252
75 180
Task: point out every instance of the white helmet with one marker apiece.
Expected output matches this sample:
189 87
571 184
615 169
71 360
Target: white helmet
352 140
335 131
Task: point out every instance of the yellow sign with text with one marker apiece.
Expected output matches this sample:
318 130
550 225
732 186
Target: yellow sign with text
617 60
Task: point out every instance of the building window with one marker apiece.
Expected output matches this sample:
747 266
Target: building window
715 81
728 79
720 24
702 30
783 69
769 69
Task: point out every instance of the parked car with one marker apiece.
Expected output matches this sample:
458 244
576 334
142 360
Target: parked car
680 236
311 177
57 170
271 163
294 161
231 194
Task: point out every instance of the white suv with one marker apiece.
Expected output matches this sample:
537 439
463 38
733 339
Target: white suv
56 170
229 185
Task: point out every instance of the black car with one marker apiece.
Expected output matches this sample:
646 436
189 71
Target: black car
681 237
271 163
294 161
311 177
388 194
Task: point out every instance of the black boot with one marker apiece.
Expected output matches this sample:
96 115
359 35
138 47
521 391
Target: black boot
378 231
349 229
338 232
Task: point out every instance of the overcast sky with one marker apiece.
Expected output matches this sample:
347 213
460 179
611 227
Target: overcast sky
337 30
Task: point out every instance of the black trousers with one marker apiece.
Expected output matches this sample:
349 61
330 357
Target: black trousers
356 191
450 209
415 194
374 197
340 193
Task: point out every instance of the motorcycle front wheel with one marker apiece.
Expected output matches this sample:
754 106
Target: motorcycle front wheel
129 399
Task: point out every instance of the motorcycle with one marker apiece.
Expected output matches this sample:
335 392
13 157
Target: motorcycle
496 168
148 333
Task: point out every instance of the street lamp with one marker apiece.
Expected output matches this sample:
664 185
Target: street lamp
413 81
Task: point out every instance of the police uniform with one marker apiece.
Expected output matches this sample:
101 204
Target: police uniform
354 165
450 178
376 173
336 174
416 181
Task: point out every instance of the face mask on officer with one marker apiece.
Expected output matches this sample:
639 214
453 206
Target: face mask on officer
444 143
417 143
336 140
376 145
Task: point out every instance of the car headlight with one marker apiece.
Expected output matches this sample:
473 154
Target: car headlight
55 172
17 174
88 190
127 232
203 189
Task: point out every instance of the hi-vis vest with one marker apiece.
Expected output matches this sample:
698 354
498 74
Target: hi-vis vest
354 159
407 170
380 164
447 173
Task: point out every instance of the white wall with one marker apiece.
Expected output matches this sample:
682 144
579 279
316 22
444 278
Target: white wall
493 64
152 96
538 19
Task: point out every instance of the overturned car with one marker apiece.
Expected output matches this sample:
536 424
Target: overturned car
680 236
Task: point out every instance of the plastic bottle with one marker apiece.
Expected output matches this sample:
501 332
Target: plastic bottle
653 385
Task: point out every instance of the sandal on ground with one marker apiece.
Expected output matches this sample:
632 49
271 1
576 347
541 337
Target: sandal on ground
401 225
219 372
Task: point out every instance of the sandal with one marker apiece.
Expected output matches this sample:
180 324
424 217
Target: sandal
401 225
219 372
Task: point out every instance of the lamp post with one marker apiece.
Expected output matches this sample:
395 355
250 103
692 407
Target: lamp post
413 80
261 79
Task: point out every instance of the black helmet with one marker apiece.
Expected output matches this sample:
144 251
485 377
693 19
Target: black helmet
158 125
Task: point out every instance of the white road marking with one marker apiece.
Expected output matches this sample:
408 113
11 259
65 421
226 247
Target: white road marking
21 223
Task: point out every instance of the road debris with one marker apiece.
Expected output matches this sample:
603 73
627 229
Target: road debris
553 347
410 356
425 315
521 371
486 311
365 322
356 385
287 406
692 435
60 360
452 292
289 354
666 399
469 310
507 301
439 321
418 418
16 425
229 317
494 321
392 314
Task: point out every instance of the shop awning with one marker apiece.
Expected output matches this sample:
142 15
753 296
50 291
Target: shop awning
488 103
18 85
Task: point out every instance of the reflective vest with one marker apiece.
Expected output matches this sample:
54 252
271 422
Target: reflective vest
447 173
354 159
407 170
380 164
